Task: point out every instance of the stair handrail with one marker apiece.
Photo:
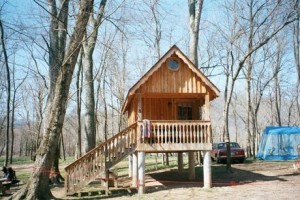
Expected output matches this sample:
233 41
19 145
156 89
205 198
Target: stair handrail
72 185
100 146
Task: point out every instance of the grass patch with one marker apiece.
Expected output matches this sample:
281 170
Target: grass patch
23 176
150 164
17 160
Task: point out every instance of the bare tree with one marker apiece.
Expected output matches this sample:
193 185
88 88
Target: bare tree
296 36
195 11
56 49
279 21
88 49
276 68
15 88
154 10
296 44
37 186
8 92
79 78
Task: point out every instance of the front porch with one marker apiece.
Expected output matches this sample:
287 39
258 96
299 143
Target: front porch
174 135
168 110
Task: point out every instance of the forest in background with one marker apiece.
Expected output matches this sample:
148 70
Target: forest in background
249 49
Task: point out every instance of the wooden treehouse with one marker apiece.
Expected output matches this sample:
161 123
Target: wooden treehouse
168 110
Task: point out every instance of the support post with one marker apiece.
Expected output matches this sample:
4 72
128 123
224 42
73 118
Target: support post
106 182
134 169
141 172
180 162
207 107
207 170
192 175
130 165
139 107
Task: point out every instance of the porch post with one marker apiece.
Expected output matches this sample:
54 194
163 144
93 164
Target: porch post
207 170
192 175
141 172
134 169
130 165
180 162
207 107
139 108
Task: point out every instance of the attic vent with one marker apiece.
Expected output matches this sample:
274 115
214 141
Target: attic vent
173 64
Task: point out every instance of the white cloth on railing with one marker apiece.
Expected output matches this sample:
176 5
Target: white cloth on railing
146 128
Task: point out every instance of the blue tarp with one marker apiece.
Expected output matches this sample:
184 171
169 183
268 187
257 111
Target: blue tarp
279 143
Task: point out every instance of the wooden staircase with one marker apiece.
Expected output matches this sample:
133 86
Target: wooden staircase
97 161
165 136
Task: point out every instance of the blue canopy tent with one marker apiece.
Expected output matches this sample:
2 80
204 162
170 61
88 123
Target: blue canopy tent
279 143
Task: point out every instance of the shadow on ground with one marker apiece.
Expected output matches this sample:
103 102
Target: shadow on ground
171 179
167 179
220 177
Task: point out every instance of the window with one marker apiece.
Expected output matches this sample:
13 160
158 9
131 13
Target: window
185 112
173 64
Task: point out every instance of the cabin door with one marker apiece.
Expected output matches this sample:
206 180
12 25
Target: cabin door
184 111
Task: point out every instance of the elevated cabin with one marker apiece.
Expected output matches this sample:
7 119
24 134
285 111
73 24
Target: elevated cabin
173 100
168 111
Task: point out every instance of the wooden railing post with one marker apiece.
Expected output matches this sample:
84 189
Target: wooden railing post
100 159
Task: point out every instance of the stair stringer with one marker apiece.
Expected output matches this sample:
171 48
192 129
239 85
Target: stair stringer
87 168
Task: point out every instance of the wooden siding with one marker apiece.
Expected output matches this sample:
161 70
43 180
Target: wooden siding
164 108
165 80
132 112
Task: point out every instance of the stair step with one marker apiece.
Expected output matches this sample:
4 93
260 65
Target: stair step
112 179
118 148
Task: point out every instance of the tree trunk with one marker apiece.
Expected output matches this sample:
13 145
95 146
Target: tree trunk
89 126
248 77
8 93
195 10
12 128
277 87
88 48
105 128
155 15
37 186
58 33
78 151
296 42
13 114
296 45
55 166
39 118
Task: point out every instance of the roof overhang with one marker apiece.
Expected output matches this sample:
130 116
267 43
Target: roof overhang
173 51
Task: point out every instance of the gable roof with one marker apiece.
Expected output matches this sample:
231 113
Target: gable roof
173 50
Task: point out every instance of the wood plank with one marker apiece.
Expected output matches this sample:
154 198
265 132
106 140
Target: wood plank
198 85
194 86
160 148
187 96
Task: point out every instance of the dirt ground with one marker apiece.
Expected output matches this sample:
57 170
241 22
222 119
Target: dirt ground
251 180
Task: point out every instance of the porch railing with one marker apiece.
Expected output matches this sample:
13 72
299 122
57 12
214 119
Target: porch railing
146 135
175 132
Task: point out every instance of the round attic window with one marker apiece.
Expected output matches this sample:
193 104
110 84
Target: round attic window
173 64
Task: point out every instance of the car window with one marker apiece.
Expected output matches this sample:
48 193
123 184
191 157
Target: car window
232 145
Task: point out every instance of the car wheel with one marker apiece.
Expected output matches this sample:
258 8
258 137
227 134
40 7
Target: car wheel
242 160
218 160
